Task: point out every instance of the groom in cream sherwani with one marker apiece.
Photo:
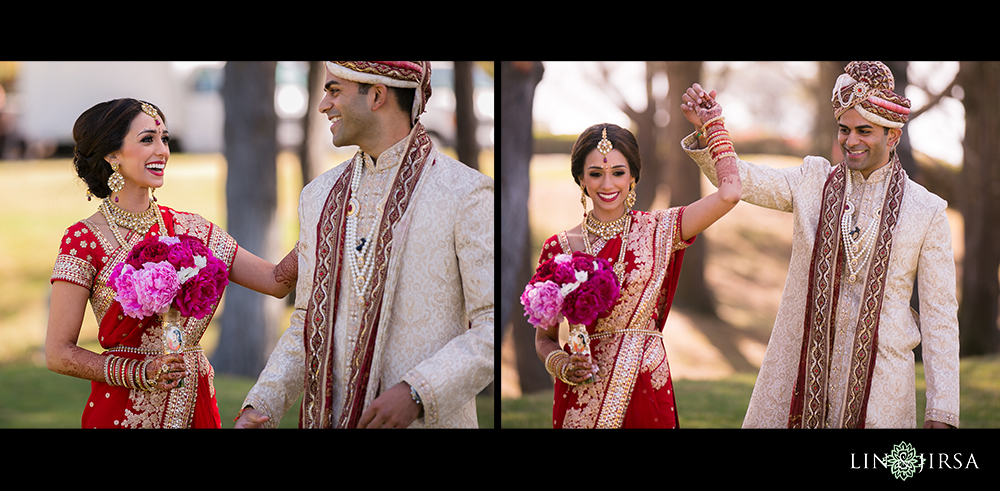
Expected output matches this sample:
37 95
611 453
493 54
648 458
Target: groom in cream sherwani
841 350
393 322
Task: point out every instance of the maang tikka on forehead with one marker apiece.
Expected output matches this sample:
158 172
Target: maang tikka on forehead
151 111
604 146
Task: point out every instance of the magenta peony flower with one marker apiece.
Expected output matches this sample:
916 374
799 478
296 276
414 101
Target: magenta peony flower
125 291
605 284
154 252
196 297
156 284
564 273
583 305
195 244
134 256
180 256
543 304
583 263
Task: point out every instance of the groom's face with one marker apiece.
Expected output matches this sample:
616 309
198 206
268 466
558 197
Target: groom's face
348 110
865 146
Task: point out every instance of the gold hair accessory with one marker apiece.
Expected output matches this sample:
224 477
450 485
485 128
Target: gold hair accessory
151 111
604 146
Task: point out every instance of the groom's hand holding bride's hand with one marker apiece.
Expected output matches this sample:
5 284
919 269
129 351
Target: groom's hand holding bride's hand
699 107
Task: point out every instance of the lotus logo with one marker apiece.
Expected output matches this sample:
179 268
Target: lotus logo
903 461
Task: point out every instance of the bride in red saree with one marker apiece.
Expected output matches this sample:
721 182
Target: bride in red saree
631 385
121 153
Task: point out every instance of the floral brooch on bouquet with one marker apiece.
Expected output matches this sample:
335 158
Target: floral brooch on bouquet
578 287
164 272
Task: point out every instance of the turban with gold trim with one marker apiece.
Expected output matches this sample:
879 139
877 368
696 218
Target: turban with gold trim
867 87
402 74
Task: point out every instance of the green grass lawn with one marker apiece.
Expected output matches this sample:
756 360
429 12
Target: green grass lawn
34 397
723 403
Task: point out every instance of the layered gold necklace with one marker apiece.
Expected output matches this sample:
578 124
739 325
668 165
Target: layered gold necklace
139 223
606 231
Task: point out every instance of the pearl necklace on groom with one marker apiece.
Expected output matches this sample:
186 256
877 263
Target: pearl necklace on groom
859 248
358 259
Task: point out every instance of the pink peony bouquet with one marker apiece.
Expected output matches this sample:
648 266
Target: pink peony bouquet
163 272
579 286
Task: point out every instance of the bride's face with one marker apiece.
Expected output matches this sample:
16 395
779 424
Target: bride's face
144 152
607 183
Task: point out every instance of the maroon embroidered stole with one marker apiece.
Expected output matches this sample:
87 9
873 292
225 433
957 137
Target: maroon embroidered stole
321 314
810 399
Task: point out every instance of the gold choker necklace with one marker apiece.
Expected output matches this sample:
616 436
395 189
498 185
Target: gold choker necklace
136 222
606 230
619 225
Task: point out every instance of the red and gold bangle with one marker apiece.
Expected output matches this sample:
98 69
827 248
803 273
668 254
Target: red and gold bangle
704 126
724 155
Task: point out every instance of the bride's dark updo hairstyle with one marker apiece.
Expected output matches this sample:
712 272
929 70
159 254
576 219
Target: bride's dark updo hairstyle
99 132
621 139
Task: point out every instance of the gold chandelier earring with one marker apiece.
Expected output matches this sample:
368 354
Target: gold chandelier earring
583 198
630 199
115 181
152 193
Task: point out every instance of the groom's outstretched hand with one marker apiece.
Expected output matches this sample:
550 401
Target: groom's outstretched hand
251 418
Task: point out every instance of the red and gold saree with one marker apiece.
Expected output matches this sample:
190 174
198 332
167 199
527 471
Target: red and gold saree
633 387
86 258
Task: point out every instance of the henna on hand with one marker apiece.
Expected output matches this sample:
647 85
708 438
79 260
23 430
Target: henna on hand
287 271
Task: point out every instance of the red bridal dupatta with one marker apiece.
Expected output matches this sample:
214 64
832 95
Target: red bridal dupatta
633 387
87 259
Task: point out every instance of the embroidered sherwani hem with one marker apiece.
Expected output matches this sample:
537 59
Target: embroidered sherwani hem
920 250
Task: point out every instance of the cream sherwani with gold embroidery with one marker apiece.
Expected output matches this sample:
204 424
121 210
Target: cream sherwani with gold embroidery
921 250
440 336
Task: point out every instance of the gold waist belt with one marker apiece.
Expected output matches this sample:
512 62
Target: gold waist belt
139 351
608 334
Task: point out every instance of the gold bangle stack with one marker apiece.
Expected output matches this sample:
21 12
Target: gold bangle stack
557 364
127 372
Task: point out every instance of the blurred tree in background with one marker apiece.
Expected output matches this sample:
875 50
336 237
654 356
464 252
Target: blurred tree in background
250 319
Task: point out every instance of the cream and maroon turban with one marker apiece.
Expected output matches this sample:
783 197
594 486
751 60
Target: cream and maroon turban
867 87
402 74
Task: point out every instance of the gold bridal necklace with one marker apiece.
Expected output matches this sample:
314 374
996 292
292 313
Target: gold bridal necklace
139 223
607 231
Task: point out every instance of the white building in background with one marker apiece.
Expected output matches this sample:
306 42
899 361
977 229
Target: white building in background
51 95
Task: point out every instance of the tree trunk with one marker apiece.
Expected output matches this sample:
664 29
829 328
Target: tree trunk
315 131
517 92
981 193
249 320
685 188
466 121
